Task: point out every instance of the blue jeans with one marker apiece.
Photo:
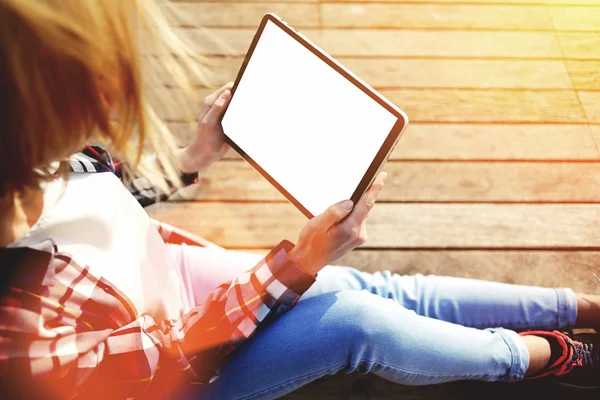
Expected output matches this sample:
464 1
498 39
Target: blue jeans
413 330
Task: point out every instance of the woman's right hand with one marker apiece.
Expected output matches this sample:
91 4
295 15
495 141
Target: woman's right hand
325 238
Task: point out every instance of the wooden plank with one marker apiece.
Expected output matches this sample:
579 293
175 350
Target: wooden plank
496 142
584 75
177 104
579 45
402 73
595 130
441 105
576 18
224 41
591 104
430 182
476 142
387 42
244 15
399 225
435 16
543 268
572 269
366 387
251 1
210 41
494 105
218 70
439 43
519 2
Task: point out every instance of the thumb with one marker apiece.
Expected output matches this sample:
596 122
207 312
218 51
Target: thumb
215 114
334 214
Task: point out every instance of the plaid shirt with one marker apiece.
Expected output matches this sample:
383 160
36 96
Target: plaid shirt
67 333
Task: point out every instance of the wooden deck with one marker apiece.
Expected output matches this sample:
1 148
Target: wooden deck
497 177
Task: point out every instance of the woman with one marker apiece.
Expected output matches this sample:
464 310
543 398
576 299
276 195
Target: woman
96 305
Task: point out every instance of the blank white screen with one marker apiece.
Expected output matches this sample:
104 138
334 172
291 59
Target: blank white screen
305 124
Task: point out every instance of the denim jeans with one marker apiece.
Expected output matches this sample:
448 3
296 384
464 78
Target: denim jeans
413 330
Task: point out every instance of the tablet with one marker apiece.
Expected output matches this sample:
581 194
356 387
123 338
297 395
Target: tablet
316 131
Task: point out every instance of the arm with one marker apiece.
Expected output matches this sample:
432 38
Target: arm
206 148
76 333
98 357
95 159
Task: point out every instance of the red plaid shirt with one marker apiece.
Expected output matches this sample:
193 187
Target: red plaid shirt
67 333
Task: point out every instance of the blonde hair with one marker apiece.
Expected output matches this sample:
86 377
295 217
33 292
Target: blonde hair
71 71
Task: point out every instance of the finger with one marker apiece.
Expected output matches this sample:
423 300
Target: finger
211 98
367 201
333 215
215 114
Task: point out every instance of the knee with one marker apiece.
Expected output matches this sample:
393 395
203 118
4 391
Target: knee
368 321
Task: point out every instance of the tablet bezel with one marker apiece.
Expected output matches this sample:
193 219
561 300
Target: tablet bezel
384 151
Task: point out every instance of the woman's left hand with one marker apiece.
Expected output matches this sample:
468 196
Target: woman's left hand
209 144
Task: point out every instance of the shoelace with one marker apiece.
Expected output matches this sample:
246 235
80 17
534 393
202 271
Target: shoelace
592 353
590 357
584 355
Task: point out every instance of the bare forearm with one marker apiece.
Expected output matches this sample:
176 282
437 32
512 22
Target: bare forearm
191 161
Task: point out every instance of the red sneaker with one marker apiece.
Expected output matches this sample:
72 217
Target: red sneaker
577 364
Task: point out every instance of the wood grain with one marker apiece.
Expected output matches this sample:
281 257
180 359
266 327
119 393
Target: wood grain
475 142
414 43
574 269
409 43
482 74
576 18
357 386
389 42
226 41
436 16
579 45
496 142
245 15
508 80
251 1
442 105
494 105
584 75
591 104
482 81
595 131
429 182
549 268
399 225
519 2
444 73
479 2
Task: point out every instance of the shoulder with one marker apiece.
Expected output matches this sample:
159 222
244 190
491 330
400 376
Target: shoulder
94 159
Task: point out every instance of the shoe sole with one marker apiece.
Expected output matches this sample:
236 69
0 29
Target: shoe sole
577 387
